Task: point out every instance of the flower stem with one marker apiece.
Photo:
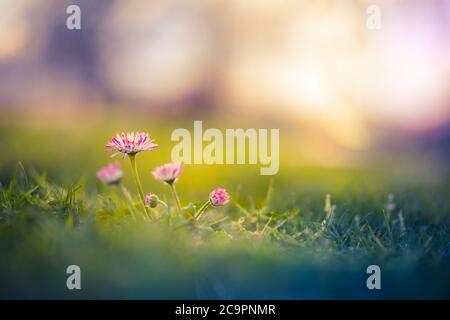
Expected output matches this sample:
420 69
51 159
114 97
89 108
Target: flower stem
138 181
175 195
202 209
163 203
177 200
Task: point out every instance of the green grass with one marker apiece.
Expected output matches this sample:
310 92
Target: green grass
274 248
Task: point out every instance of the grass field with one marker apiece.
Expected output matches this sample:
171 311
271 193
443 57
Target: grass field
279 237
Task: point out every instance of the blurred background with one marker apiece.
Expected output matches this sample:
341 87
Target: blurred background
343 96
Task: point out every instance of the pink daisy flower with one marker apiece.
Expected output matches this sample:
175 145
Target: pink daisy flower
168 173
131 143
110 174
219 197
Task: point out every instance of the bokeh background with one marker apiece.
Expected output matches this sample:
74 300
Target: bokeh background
343 96
362 114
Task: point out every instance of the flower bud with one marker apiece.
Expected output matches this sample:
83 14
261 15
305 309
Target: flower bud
151 200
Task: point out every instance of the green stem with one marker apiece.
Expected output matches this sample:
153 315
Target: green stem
202 209
175 195
177 200
163 203
138 181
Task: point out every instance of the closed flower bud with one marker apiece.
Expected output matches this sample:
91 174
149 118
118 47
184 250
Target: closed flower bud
151 200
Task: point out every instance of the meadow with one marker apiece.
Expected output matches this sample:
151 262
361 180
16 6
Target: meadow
308 232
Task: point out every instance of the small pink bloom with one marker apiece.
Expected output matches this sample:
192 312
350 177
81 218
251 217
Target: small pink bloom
219 197
168 173
110 174
131 143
